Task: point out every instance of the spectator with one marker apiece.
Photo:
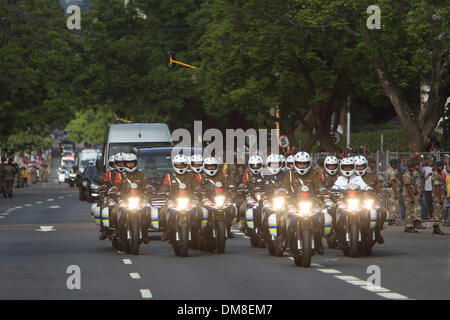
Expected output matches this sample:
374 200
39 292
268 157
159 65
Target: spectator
427 172
25 176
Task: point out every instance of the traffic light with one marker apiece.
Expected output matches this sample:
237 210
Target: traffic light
171 56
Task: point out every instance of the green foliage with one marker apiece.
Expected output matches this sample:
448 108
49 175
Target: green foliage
90 125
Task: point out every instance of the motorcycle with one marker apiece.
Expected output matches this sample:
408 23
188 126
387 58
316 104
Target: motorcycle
359 215
330 226
275 229
180 232
304 224
133 220
254 220
216 229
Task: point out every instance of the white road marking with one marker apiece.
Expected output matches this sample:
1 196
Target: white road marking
120 251
39 202
135 275
45 228
2 217
28 205
374 288
19 207
291 258
329 270
127 261
316 265
5 213
347 278
146 294
245 237
55 207
50 199
60 197
392 295
360 283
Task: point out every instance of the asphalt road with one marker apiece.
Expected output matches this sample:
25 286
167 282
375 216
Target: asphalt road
34 263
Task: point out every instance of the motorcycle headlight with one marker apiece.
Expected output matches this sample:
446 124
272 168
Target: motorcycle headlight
95 186
133 203
305 208
182 203
84 184
368 204
352 204
278 203
220 200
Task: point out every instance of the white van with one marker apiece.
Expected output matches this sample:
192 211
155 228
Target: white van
125 137
85 156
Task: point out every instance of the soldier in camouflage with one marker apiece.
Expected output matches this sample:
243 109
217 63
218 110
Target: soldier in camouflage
392 188
418 181
410 196
438 194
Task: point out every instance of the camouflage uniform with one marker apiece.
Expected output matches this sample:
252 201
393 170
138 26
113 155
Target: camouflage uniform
409 179
391 175
419 190
438 210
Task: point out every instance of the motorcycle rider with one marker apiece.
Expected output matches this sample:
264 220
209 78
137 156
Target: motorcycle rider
348 176
253 181
290 162
301 176
170 186
371 179
209 178
328 177
272 185
110 174
130 174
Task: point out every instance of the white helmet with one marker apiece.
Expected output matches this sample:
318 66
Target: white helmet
360 161
274 158
211 166
331 161
196 163
118 161
111 163
255 164
180 163
302 157
130 158
283 161
347 167
290 159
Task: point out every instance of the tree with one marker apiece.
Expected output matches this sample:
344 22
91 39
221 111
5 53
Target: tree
411 49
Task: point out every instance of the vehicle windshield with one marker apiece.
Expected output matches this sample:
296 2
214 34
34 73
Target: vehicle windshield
155 165
115 148
92 173
68 164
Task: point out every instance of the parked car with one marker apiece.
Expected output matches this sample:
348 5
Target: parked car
89 183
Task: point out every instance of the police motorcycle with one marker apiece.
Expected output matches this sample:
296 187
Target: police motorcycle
182 221
275 230
331 233
358 214
132 219
215 220
253 218
304 223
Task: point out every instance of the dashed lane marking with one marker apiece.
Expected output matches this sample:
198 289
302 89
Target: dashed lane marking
28 205
2 217
329 270
360 283
374 288
127 261
50 199
392 295
347 278
55 207
135 275
5 213
39 202
146 294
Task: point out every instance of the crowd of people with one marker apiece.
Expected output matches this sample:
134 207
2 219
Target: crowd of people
22 173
